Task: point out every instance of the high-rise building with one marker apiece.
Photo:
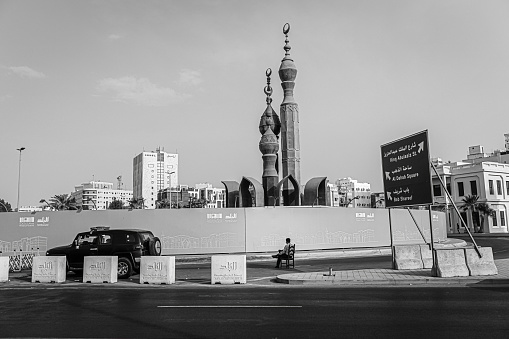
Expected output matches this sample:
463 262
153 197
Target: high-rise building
98 195
152 172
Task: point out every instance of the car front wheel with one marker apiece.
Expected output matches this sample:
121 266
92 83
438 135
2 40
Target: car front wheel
125 268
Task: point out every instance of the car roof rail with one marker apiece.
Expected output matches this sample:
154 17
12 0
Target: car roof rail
99 228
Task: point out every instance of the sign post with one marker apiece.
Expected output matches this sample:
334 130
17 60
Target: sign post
407 175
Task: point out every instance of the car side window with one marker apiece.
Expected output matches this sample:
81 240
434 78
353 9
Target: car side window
86 239
105 239
130 238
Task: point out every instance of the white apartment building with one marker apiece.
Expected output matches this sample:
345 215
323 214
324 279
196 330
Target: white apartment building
214 196
98 195
333 198
353 193
481 174
153 172
487 180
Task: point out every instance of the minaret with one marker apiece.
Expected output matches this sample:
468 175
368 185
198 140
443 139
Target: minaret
269 146
289 111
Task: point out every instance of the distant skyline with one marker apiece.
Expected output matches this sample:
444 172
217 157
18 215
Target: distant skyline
85 86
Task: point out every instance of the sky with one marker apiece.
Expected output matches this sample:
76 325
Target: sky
85 86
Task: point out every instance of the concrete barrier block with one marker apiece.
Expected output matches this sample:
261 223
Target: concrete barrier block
228 269
157 270
100 269
407 257
49 269
450 263
480 266
427 256
4 269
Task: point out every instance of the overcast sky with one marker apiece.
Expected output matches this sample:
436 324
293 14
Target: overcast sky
87 85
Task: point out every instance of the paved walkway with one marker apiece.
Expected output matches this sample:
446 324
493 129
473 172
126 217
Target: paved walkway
392 277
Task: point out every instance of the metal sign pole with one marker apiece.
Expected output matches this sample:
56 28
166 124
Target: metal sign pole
392 242
431 245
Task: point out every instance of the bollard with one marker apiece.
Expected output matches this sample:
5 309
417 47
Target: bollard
157 270
228 269
480 266
49 269
100 269
4 269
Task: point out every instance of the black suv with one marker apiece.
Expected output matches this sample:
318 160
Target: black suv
128 244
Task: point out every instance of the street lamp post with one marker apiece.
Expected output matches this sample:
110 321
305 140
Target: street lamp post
19 175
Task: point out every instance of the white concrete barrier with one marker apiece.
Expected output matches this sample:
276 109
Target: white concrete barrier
100 269
4 269
157 270
480 266
228 269
426 256
407 257
450 263
49 269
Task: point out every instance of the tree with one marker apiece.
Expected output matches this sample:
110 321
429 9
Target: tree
165 203
470 203
62 202
5 206
196 203
116 205
484 211
137 203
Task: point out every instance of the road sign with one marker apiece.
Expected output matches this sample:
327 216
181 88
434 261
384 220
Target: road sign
406 171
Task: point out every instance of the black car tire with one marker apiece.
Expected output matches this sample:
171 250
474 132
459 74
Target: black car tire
125 268
154 246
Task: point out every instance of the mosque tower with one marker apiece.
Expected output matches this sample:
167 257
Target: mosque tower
289 112
269 127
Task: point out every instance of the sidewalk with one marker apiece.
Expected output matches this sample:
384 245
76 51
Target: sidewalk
396 277
392 277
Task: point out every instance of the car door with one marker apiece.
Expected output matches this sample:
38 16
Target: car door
105 244
85 244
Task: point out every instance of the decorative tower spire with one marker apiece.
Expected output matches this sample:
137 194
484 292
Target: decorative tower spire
269 118
289 111
269 146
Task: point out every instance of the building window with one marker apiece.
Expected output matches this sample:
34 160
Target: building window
437 191
502 218
499 187
507 187
461 189
490 185
473 187
495 219
448 187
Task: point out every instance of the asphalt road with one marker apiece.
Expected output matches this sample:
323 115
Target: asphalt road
255 312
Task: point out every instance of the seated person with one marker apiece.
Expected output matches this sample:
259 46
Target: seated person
283 254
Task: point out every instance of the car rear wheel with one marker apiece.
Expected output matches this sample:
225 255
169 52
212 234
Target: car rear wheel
154 246
125 268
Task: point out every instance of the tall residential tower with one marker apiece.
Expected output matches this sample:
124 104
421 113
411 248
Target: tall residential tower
152 172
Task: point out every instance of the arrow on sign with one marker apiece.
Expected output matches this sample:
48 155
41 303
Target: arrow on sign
421 147
388 176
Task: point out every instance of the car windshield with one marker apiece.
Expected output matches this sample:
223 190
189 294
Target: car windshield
85 238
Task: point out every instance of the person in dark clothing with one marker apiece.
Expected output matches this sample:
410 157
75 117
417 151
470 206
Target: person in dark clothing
283 254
